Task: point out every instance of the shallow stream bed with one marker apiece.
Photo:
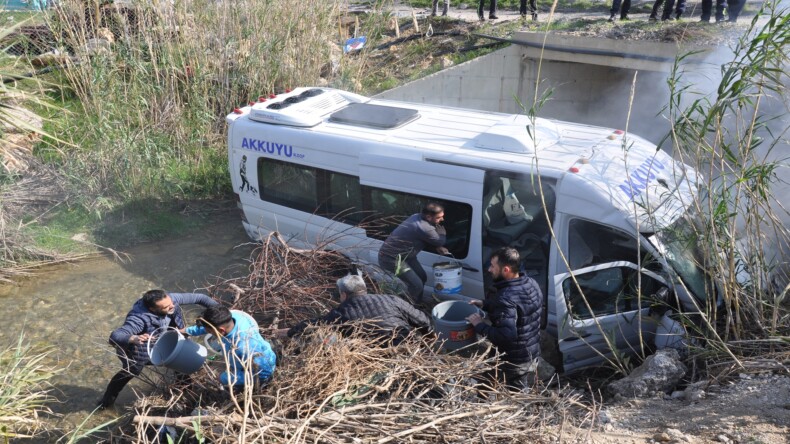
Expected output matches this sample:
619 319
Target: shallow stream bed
73 309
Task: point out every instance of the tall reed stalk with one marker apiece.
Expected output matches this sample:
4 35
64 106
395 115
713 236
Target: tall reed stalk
24 389
736 138
161 76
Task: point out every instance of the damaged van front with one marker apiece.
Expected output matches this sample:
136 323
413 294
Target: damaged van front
627 228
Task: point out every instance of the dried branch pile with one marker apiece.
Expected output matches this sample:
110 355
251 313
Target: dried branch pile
291 283
337 385
352 389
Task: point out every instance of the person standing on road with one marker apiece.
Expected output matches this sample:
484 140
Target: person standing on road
707 9
515 313
436 7
155 310
491 11
619 7
407 240
680 8
533 9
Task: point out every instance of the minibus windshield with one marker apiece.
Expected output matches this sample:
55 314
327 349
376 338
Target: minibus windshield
680 245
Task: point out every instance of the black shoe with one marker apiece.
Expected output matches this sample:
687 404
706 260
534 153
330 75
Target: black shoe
105 402
612 18
492 17
652 18
481 17
677 17
625 17
534 16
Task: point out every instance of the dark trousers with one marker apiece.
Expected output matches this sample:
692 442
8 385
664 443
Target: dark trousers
734 8
533 6
680 8
414 279
514 376
707 7
129 369
621 6
491 10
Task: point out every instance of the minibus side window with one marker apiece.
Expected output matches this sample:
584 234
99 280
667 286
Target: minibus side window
608 291
344 202
388 208
288 184
591 243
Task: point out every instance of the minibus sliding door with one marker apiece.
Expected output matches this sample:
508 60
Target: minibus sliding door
397 188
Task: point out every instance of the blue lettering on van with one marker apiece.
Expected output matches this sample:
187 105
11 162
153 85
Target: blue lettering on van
639 178
264 146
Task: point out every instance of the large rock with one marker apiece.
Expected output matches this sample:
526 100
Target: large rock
660 372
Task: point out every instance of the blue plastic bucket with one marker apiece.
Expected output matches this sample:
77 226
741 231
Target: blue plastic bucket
449 322
174 351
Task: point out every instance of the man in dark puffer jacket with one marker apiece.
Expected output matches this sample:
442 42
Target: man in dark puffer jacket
156 309
391 315
515 313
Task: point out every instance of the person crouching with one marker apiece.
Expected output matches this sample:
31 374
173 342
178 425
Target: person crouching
242 345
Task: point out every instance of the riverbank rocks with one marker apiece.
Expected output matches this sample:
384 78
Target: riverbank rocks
659 373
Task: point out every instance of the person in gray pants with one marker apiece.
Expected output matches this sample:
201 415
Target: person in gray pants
407 240
436 7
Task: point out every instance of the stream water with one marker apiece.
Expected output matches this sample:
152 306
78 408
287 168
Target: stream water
73 309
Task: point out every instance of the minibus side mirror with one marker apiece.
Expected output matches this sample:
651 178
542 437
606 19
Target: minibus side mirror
660 301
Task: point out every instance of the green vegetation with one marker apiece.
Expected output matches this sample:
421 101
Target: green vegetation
732 137
24 389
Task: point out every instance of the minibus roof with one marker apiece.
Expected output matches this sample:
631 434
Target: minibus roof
625 169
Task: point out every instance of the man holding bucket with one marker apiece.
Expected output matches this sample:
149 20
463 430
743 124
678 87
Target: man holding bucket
515 313
156 310
247 354
407 240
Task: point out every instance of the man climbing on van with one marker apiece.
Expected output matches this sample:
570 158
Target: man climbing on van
391 317
155 310
407 240
249 357
515 313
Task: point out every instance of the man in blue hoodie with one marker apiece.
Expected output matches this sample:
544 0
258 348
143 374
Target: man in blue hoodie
155 310
247 354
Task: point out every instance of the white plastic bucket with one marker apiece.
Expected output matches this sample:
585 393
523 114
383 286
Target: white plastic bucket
174 351
449 322
447 278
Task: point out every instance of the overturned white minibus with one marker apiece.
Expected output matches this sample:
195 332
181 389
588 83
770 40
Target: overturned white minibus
328 167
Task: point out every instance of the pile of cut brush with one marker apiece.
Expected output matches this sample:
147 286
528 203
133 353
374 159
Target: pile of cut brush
346 387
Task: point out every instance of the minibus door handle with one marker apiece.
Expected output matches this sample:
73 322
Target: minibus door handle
577 336
468 268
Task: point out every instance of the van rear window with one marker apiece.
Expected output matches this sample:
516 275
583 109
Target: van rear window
288 184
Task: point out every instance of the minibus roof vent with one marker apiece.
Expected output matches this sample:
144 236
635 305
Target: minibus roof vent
304 107
516 134
374 116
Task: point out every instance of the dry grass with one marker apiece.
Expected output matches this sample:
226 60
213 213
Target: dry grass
337 384
351 389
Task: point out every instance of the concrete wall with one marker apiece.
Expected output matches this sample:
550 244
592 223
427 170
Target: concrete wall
596 92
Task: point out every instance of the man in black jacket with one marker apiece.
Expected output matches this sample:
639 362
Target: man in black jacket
515 313
156 310
390 315
401 248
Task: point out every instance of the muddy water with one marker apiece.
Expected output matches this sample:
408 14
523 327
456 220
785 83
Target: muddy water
74 308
